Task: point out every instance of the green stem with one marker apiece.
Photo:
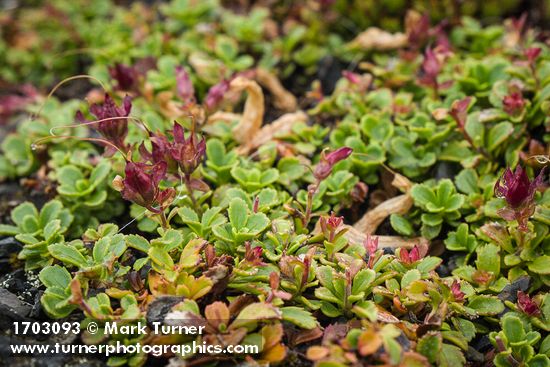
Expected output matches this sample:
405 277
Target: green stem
311 190
164 221
190 191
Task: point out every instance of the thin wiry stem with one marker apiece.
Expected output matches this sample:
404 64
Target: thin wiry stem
56 87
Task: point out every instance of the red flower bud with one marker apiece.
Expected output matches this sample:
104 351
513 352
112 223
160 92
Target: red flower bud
532 54
184 86
519 192
353 78
126 76
141 186
371 244
409 257
431 67
513 103
253 255
189 152
459 111
112 129
327 162
216 93
527 305
458 295
329 225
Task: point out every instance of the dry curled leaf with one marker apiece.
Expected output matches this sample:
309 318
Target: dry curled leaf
373 218
356 237
253 113
377 39
282 98
280 126
400 204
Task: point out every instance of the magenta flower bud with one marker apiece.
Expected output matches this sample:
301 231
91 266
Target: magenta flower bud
513 103
353 78
516 187
126 76
112 129
333 222
141 185
411 257
160 153
216 93
519 192
431 67
327 162
532 54
458 295
188 153
459 111
253 255
371 244
184 86
527 305
329 225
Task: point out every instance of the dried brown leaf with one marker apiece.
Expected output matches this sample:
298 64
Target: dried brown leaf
355 236
252 117
377 39
282 98
280 126
372 219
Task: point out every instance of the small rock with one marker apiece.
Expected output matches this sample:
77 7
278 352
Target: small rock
510 292
9 248
159 308
12 308
473 355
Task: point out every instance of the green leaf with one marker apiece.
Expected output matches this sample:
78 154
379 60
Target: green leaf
8 230
51 229
428 264
455 202
238 213
475 129
324 274
255 312
23 210
300 317
466 181
190 256
401 225
430 347
513 329
498 134
161 258
257 222
67 254
68 176
540 265
423 195
100 172
329 309
366 310
486 305
137 242
49 212
55 276
188 215
362 280
488 258
409 277
451 356
431 219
